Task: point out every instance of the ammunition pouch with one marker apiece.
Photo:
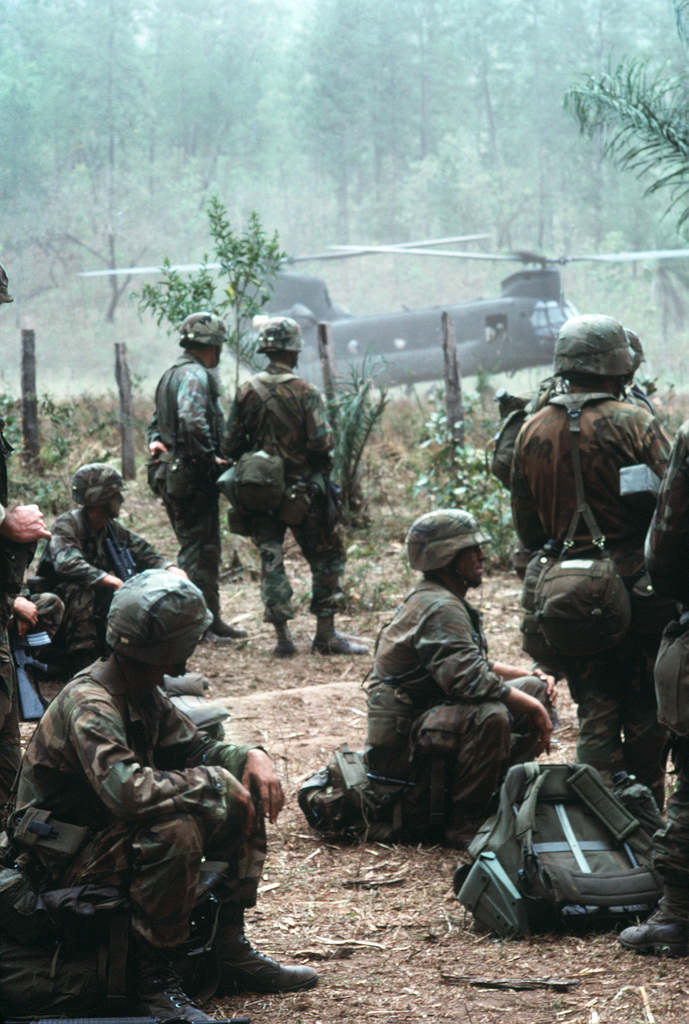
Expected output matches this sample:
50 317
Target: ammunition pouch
671 675
182 478
296 502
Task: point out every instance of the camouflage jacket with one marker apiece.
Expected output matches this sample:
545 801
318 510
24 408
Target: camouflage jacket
613 434
301 430
96 757
435 651
75 554
188 418
667 542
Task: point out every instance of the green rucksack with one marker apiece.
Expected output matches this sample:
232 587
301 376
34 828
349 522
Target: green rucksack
560 848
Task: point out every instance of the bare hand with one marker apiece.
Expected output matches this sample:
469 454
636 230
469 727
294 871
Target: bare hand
176 571
156 448
237 794
521 703
550 684
25 614
24 524
259 774
109 580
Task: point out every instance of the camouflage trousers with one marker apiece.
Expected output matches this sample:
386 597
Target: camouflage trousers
617 710
196 522
471 745
671 844
323 550
156 863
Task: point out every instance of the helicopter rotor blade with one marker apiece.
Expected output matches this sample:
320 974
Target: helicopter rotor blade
629 257
182 268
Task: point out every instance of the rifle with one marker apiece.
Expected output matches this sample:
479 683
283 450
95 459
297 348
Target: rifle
31 705
120 556
108 1020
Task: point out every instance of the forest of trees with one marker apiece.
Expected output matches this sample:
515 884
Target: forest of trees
336 120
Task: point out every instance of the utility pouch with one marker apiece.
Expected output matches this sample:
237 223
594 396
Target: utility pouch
537 647
259 481
534 567
181 479
671 676
156 473
37 830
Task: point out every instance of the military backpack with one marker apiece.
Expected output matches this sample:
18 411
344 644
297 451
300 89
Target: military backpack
560 848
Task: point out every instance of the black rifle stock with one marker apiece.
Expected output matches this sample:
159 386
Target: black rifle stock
31 707
120 556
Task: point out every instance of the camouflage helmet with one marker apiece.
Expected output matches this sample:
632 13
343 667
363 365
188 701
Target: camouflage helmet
593 344
4 284
280 334
95 483
435 537
202 329
157 617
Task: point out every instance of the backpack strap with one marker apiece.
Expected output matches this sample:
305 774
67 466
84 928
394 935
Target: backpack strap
593 792
573 404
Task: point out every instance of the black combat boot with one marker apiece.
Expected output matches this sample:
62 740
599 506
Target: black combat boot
327 641
284 648
665 932
221 630
243 967
159 992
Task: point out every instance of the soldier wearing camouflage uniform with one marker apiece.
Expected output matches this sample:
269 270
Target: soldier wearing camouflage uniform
112 754
20 528
186 432
666 932
441 714
613 690
297 427
76 565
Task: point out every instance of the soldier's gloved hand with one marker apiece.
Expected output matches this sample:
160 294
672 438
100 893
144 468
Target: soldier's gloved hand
260 777
238 800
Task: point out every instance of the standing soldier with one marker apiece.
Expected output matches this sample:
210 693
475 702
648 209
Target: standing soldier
185 435
277 410
613 690
666 932
20 528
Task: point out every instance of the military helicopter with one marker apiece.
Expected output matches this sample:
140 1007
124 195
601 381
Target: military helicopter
512 332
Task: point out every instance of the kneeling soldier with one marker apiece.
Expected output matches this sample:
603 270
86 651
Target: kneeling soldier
111 753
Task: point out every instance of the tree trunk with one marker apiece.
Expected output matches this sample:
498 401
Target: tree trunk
453 383
126 420
32 444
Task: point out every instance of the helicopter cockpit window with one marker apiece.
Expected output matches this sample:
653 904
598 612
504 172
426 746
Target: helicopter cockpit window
548 317
353 347
400 343
496 329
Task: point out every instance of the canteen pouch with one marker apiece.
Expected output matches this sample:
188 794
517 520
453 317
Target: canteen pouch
181 479
296 503
671 676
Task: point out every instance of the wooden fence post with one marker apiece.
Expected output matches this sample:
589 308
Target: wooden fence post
327 357
31 439
454 407
126 419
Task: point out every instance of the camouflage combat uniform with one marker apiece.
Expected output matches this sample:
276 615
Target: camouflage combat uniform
73 561
154 793
305 446
614 690
10 584
188 419
667 560
433 696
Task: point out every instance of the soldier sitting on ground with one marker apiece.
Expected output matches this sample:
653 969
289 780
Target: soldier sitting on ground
78 567
113 756
440 713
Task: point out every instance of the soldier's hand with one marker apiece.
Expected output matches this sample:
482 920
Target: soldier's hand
521 703
176 571
24 524
25 614
156 448
238 797
109 580
260 775
550 684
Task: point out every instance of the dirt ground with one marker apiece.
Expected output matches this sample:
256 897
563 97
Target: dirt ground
380 922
